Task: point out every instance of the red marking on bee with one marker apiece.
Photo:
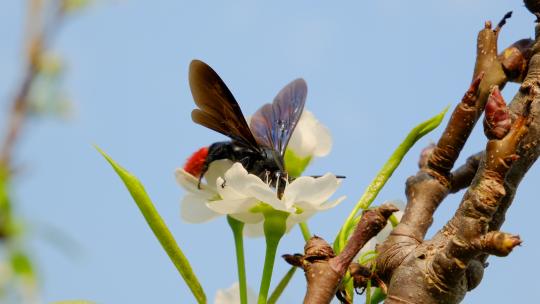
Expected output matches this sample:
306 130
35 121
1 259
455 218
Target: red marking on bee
195 162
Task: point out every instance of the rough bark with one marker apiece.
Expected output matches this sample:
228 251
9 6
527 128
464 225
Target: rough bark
412 269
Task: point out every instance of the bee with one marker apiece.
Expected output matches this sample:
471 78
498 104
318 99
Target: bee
260 146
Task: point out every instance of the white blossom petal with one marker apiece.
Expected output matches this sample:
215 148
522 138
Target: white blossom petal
238 180
227 192
310 137
194 210
306 206
231 295
225 206
313 190
190 183
296 218
216 169
254 230
249 217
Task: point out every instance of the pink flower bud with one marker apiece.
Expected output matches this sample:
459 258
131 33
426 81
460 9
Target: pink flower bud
497 121
425 154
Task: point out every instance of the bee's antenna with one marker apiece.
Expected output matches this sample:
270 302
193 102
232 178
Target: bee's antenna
337 176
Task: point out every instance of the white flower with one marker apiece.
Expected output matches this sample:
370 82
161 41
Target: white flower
310 137
238 193
241 192
385 232
193 205
231 295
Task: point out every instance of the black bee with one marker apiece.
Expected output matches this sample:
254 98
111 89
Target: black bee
259 147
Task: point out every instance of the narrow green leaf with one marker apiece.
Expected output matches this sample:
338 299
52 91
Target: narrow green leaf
281 286
384 174
305 231
158 226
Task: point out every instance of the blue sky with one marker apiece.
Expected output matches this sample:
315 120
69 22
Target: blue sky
374 69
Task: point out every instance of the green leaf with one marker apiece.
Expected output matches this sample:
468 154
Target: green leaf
384 174
158 226
281 286
21 264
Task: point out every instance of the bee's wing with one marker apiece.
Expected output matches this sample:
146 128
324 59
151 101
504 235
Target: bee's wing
218 110
273 124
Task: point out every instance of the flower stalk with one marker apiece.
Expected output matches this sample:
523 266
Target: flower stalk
237 228
274 229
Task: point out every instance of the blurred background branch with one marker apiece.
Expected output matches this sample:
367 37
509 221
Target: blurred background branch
38 91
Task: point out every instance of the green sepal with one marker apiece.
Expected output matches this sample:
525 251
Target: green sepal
295 164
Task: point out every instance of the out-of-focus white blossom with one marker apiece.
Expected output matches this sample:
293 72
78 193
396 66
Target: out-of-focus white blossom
310 137
231 295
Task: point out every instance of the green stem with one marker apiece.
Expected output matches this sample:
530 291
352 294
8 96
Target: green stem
384 174
368 292
288 276
305 231
281 286
237 228
274 229
271 249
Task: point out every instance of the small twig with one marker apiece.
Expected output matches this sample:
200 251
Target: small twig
503 21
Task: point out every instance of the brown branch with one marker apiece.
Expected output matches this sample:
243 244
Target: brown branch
426 190
463 176
439 270
324 271
407 263
38 38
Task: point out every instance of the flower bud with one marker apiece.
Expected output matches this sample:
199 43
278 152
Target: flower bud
425 154
497 121
515 59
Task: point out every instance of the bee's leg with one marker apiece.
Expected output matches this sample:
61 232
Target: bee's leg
280 187
267 176
246 163
203 171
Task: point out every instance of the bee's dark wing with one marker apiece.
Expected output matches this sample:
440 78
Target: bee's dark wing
273 124
218 110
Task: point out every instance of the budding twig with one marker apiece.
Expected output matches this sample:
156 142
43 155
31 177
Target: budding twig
323 269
